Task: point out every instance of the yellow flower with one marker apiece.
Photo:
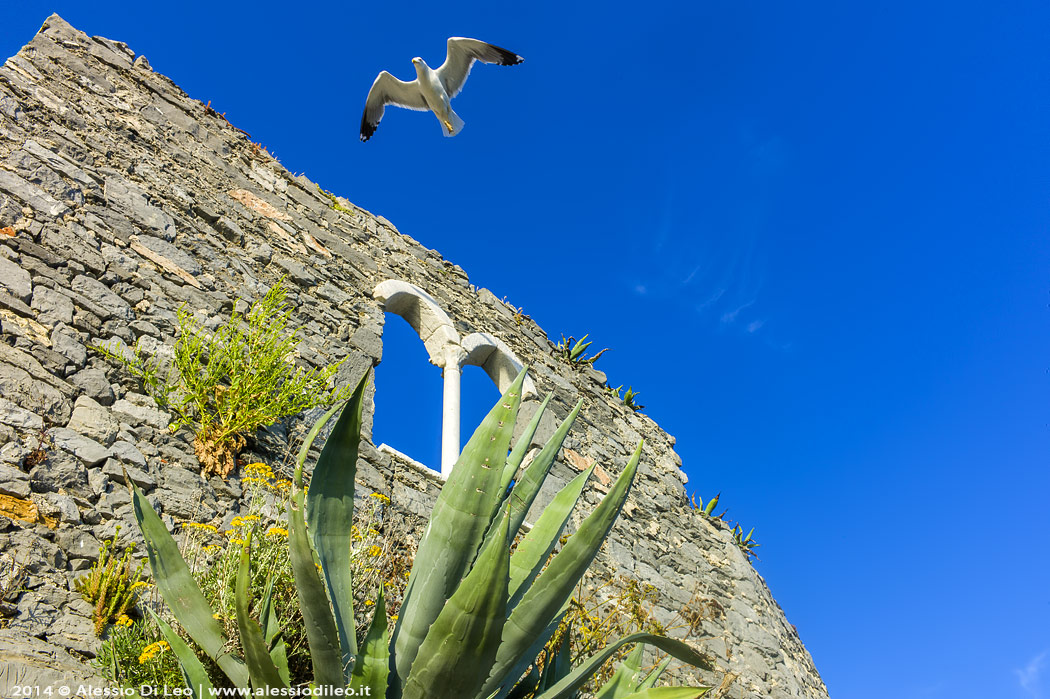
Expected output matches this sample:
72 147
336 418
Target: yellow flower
140 583
369 603
379 496
151 650
250 518
216 616
374 550
237 541
199 526
124 621
258 469
276 531
393 617
211 547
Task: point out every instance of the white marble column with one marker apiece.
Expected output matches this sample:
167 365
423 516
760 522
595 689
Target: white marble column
450 405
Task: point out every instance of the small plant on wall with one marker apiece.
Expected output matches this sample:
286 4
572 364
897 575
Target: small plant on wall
574 352
226 384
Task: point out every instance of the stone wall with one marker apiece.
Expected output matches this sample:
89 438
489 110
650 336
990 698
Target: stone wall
121 201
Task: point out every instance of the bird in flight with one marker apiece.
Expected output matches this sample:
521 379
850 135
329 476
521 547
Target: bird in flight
432 90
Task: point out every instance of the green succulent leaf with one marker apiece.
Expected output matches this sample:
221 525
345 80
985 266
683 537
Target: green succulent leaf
459 648
261 669
193 672
180 591
652 677
627 678
559 666
554 586
330 516
457 528
583 672
321 633
526 687
271 629
670 693
528 486
521 447
536 546
373 663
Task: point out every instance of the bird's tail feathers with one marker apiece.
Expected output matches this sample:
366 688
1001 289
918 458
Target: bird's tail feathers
457 124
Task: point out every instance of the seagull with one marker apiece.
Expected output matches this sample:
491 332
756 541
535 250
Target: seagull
432 90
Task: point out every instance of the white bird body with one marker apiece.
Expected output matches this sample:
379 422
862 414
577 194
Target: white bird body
436 98
432 90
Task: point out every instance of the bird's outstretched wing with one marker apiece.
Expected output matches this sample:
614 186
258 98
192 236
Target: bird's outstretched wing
460 59
389 90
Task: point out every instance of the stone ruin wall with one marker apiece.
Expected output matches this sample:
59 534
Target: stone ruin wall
128 200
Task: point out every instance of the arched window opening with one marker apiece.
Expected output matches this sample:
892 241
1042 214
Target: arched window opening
407 396
445 349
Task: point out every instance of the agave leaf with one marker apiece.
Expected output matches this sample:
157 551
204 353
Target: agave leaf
558 666
525 688
579 348
459 648
321 634
627 678
532 552
261 669
552 589
180 591
193 672
373 663
457 528
593 359
330 516
711 504
271 629
308 441
528 486
652 677
579 676
521 447
669 693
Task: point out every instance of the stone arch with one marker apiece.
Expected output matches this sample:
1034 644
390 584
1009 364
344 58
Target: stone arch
499 361
423 313
446 350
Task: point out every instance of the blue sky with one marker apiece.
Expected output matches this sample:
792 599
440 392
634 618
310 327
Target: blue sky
815 238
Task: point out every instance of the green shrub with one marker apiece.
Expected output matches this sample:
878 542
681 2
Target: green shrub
226 384
111 586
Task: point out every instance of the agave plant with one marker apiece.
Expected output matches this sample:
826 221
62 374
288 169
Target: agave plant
475 615
573 351
745 543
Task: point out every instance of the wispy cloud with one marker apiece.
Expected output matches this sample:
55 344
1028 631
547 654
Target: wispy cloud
1031 676
730 316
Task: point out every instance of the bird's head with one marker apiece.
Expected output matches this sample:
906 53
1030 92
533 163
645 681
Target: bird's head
418 64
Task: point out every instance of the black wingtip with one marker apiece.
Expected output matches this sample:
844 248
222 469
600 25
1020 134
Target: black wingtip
507 58
367 130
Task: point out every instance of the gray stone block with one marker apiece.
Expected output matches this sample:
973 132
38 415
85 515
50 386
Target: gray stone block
15 280
84 448
92 420
94 384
